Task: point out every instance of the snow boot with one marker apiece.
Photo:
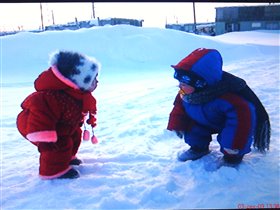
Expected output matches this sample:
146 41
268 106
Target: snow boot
76 162
192 154
71 174
232 160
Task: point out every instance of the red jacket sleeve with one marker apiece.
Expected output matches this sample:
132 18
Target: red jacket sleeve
178 119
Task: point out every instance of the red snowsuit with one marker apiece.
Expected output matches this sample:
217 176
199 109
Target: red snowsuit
51 119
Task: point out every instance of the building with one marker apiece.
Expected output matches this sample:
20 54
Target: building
198 28
118 21
247 18
94 22
83 24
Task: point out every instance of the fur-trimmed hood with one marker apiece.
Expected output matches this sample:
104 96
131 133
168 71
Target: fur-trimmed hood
75 69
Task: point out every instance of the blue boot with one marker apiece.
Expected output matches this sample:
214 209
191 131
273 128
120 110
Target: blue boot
192 154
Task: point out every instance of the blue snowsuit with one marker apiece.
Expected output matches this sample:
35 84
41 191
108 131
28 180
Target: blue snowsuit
227 114
232 117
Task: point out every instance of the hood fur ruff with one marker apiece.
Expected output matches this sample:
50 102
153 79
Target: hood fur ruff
78 68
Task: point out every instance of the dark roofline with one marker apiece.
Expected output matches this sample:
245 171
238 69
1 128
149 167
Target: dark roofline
265 5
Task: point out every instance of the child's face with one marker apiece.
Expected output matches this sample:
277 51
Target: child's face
187 89
93 84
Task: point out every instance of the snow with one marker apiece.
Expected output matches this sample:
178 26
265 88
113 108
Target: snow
134 165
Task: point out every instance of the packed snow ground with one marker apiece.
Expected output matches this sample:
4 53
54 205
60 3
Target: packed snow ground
134 165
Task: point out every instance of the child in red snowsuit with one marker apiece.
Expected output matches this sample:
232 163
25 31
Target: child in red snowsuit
52 116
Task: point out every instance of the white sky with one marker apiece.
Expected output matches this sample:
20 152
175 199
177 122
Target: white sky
28 16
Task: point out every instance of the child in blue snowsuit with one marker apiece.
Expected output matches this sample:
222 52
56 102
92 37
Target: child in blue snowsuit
212 101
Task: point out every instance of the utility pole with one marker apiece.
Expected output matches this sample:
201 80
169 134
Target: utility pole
42 20
93 12
53 18
194 19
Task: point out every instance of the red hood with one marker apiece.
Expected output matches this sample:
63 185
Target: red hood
47 80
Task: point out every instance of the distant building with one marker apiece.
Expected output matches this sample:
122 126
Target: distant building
119 21
179 27
83 24
95 22
198 28
247 18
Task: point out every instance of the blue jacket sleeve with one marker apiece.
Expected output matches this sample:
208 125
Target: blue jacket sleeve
237 135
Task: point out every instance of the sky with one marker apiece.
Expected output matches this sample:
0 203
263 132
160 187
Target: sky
27 16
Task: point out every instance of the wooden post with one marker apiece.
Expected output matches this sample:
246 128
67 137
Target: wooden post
194 19
42 20
53 18
93 12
